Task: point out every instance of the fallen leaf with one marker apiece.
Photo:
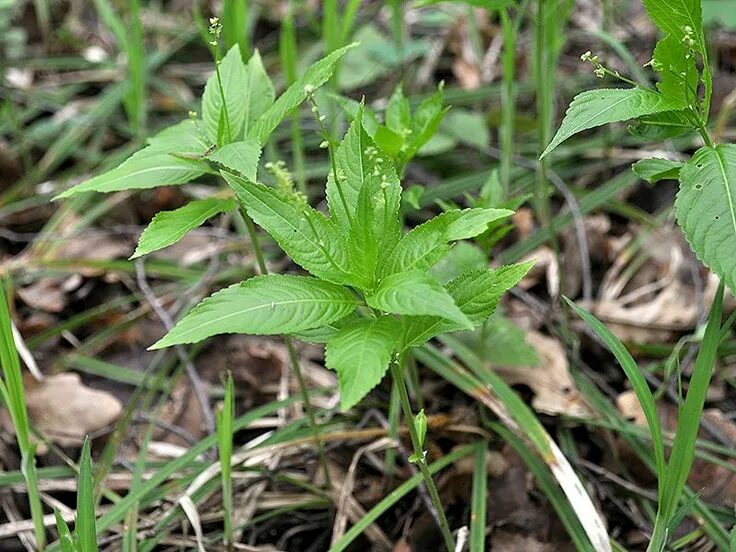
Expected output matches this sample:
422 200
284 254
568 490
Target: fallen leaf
550 381
45 295
66 410
655 302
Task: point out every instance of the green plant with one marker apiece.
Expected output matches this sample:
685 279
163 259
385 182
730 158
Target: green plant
704 208
225 417
84 538
13 396
371 297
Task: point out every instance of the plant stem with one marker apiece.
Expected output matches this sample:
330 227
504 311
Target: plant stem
293 357
397 373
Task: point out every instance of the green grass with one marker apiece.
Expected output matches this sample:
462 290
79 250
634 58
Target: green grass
13 395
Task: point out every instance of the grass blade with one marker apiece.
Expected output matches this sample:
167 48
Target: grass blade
85 526
635 377
479 500
225 416
688 423
13 395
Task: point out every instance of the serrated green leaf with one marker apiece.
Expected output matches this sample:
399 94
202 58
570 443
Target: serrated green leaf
463 257
168 227
173 157
324 333
677 70
306 235
398 112
240 157
416 293
661 126
313 78
360 353
672 16
232 112
429 242
366 202
706 208
259 93
655 169
425 121
476 293
264 305
594 108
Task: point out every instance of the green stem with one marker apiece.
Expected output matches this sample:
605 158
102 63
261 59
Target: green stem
397 374
294 358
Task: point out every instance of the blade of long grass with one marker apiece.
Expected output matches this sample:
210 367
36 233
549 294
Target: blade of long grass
637 380
688 424
85 524
289 54
117 512
479 499
13 395
704 513
225 417
65 536
235 25
489 388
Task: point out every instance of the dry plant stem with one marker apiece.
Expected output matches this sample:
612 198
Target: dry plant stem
293 357
199 388
397 373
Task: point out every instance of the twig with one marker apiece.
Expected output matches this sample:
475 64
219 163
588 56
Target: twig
197 384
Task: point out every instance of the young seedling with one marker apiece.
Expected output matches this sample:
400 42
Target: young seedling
705 210
370 297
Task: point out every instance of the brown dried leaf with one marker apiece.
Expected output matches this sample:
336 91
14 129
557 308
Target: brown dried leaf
66 410
553 387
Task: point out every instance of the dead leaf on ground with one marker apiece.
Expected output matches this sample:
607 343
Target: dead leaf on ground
553 387
66 410
653 303
47 294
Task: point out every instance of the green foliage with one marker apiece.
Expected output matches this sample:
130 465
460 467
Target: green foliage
225 419
403 133
12 392
168 227
416 293
706 208
655 169
239 157
223 108
85 527
263 305
360 353
371 294
595 108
